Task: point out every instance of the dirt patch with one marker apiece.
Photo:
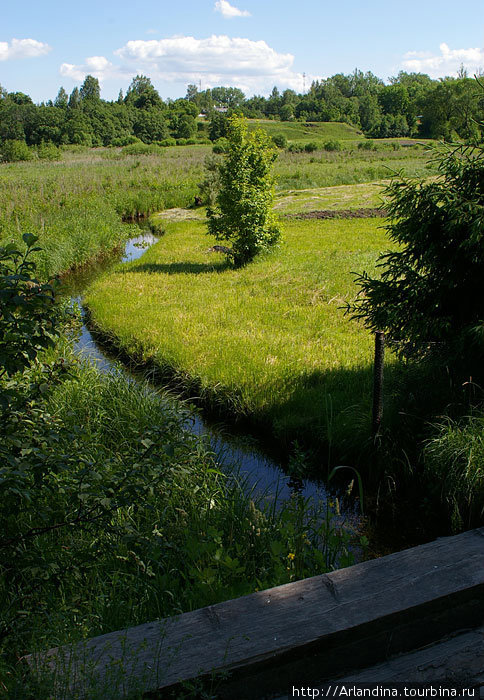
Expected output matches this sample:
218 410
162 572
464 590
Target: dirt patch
180 215
362 213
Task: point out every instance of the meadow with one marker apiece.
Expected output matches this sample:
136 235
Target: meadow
270 342
78 205
268 345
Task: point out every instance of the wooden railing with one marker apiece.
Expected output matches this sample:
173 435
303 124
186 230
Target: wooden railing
298 633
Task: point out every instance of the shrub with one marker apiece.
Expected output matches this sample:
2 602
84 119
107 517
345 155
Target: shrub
28 316
243 214
280 140
48 151
124 140
310 147
221 146
333 146
167 142
12 151
367 146
141 149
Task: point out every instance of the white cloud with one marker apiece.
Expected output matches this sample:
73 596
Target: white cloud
447 63
22 48
97 66
217 60
253 66
229 11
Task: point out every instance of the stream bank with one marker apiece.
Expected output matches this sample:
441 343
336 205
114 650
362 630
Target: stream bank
259 466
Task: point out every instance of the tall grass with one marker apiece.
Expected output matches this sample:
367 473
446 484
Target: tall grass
454 466
77 205
190 536
296 171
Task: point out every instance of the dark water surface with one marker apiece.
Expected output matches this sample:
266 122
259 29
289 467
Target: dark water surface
263 473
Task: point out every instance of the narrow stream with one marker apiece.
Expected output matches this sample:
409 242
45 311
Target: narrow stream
262 473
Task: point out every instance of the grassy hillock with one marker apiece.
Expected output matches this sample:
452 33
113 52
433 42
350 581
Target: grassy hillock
306 132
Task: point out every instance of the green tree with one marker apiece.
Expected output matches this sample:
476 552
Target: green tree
186 127
218 127
142 94
430 296
90 90
243 213
62 98
74 99
20 98
228 97
149 125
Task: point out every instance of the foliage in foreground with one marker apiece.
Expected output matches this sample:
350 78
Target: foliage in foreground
243 214
454 465
429 298
27 318
112 514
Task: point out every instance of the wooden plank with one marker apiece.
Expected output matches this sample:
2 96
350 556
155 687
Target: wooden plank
459 659
293 620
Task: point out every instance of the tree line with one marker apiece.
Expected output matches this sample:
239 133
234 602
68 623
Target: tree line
411 104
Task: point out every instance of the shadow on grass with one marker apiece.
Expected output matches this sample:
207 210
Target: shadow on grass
177 268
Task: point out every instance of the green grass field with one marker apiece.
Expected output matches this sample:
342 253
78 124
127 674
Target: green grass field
77 205
304 132
269 341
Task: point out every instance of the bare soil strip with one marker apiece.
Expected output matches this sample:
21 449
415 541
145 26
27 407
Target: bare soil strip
363 213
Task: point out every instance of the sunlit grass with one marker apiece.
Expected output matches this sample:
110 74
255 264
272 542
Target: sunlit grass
77 205
269 341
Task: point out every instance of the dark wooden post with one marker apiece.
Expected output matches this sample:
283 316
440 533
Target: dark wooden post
378 383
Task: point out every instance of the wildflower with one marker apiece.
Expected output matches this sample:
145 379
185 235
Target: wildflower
291 556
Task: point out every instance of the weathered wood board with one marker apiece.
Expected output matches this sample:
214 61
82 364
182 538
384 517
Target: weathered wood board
458 659
367 612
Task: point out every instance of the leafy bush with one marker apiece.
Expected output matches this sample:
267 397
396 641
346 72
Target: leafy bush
367 146
48 151
28 318
221 146
333 146
280 140
243 214
142 149
124 140
167 142
295 148
310 147
12 151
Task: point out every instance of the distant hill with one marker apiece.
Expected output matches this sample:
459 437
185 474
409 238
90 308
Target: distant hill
305 132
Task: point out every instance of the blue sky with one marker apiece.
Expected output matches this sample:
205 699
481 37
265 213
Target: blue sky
251 44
